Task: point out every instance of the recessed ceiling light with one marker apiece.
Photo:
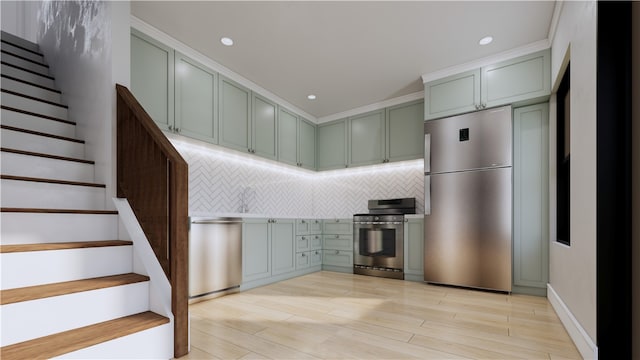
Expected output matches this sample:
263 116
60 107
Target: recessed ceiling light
311 97
486 40
226 41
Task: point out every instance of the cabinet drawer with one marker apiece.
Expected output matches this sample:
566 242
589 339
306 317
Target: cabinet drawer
316 242
337 258
315 257
303 260
308 226
337 226
338 242
303 243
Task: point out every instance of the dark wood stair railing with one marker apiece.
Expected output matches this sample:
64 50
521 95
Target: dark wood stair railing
153 177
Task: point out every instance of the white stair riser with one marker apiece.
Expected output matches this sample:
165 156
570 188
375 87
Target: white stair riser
36 166
41 144
32 228
36 123
20 52
27 76
154 343
13 39
29 194
38 107
52 266
14 60
28 320
31 90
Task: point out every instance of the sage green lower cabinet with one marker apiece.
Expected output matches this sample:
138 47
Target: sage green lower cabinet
234 115
264 128
256 249
337 245
367 138
308 226
515 80
405 131
307 144
287 137
196 99
283 247
303 260
315 257
152 76
530 200
414 249
332 145
452 95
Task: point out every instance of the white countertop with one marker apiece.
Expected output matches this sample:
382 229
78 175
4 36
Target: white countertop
266 216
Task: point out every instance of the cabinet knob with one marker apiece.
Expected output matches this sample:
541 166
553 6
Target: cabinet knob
337 252
337 236
303 254
304 238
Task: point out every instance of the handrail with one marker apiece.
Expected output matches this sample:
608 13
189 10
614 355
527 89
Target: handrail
153 177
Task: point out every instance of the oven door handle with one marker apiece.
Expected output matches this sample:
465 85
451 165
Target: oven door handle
427 195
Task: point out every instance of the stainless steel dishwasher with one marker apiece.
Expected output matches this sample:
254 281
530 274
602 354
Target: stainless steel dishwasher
215 257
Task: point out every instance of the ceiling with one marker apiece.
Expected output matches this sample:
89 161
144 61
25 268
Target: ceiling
349 54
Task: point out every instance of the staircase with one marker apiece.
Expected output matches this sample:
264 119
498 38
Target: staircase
68 288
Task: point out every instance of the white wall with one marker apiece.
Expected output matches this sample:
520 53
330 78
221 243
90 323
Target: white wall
19 18
572 272
636 179
87 47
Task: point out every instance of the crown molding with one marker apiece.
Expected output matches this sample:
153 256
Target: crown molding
555 19
505 55
372 107
177 45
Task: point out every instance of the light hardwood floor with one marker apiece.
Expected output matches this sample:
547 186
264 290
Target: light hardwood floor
330 315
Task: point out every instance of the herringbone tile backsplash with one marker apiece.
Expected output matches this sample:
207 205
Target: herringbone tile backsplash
219 179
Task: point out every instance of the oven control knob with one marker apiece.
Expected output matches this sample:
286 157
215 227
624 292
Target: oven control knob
376 218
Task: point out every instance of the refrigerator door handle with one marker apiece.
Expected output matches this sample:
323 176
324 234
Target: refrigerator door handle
427 153
427 195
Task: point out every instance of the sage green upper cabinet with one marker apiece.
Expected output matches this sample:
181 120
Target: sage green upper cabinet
287 137
234 115
452 95
263 128
152 78
519 81
332 145
367 138
530 196
405 127
195 100
515 80
307 144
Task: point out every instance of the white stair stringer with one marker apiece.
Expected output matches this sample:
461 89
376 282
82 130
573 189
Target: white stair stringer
28 320
37 123
48 196
64 265
20 140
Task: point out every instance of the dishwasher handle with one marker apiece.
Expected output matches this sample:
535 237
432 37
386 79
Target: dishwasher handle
217 221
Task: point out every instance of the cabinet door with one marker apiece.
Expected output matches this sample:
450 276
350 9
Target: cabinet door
405 138
524 78
367 138
413 249
287 137
315 257
337 242
337 226
332 145
256 250
452 95
152 78
530 196
307 144
303 260
316 242
196 100
303 243
283 246
235 115
337 258
315 226
264 129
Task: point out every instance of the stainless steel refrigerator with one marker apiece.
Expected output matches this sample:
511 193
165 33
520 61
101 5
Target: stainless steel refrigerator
468 206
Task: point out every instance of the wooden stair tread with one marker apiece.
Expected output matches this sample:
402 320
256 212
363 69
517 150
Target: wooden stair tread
51 181
65 342
38 133
10 296
14 248
37 115
58 211
48 156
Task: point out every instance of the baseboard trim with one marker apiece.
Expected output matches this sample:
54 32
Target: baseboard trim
587 348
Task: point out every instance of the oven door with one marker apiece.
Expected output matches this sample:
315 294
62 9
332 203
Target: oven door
379 244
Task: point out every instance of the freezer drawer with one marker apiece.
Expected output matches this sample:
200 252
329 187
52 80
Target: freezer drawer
468 231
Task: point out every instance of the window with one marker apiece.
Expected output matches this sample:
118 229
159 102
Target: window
563 150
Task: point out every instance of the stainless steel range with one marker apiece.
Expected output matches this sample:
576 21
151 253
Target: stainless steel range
378 238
